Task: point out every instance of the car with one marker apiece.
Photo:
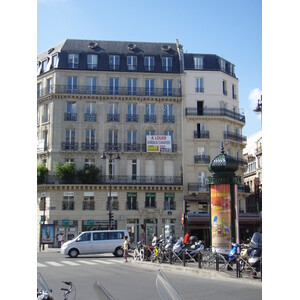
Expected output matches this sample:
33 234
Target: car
96 242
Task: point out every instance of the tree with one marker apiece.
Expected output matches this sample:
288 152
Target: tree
42 173
89 174
65 172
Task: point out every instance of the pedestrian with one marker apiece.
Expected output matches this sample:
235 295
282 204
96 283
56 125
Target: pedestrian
154 239
186 238
59 239
125 248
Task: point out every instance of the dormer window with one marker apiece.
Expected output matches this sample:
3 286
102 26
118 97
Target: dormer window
92 61
44 65
167 64
73 61
55 60
223 65
114 62
131 63
198 62
149 63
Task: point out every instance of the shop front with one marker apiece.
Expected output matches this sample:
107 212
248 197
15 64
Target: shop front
67 228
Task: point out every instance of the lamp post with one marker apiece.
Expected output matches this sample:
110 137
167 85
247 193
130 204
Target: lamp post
258 108
110 206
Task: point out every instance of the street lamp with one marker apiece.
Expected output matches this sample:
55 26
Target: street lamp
110 204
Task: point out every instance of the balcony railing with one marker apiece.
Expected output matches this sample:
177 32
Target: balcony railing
113 118
134 147
201 134
119 179
150 118
89 146
70 116
132 118
193 111
90 117
69 146
169 119
202 159
106 90
112 147
234 137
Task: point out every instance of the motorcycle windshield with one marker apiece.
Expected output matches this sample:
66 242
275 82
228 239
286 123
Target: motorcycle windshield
42 285
165 289
256 240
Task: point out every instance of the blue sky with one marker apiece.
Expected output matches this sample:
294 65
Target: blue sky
231 29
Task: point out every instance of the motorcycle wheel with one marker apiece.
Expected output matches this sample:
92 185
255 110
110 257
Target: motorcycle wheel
135 254
242 265
142 255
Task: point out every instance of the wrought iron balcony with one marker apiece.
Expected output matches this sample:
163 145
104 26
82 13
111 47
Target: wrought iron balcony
90 117
70 116
193 111
134 147
112 147
150 118
89 146
132 118
201 134
234 137
202 159
113 118
169 119
107 90
69 146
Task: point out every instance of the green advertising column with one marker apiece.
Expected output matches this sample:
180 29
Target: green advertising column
223 202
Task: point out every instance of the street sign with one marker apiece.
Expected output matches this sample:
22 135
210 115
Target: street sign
65 222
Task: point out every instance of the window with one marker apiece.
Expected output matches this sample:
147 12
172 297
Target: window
73 60
85 237
89 162
45 117
69 160
68 203
131 86
131 203
167 87
91 85
88 203
114 62
150 112
72 84
231 70
233 92
150 132
119 235
149 87
100 236
131 136
70 139
149 63
199 85
113 86
55 61
44 65
222 65
113 115
90 112
133 169
39 89
132 112
198 62
150 200
92 61
49 85
167 64
168 116
90 136
131 63
71 113
169 202
224 87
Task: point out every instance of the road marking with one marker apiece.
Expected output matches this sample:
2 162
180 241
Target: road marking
102 262
55 264
86 262
115 260
39 265
70 263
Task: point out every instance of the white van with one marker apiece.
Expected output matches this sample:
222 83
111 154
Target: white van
96 242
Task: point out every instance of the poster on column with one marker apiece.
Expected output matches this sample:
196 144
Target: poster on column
221 217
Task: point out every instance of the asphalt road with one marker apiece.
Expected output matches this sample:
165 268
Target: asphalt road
134 280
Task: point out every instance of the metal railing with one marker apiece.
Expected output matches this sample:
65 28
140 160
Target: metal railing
201 134
193 111
107 90
234 137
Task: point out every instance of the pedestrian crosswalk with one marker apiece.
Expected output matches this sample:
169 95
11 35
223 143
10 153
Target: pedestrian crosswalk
80 262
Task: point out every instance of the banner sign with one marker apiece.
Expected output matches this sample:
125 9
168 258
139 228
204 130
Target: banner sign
221 217
40 146
158 143
47 234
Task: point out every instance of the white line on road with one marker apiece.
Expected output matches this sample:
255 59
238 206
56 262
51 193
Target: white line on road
86 262
115 260
70 263
102 262
39 265
53 263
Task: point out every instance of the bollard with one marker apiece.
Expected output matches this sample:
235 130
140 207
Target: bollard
199 260
217 261
170 256
237 267
183 259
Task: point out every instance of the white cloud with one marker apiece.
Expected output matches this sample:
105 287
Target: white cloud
253 97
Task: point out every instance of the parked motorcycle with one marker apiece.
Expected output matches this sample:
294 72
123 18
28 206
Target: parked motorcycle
256 254
233 256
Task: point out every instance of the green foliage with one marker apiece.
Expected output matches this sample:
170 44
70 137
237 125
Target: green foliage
89 174
65 172
42 173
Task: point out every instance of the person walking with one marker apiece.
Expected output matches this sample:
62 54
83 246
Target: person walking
125 248
59 239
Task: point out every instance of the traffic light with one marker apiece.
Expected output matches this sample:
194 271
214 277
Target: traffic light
111 216
186 207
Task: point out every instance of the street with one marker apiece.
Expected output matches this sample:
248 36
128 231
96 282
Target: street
135 280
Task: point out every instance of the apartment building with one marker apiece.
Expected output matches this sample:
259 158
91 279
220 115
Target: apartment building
149 118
